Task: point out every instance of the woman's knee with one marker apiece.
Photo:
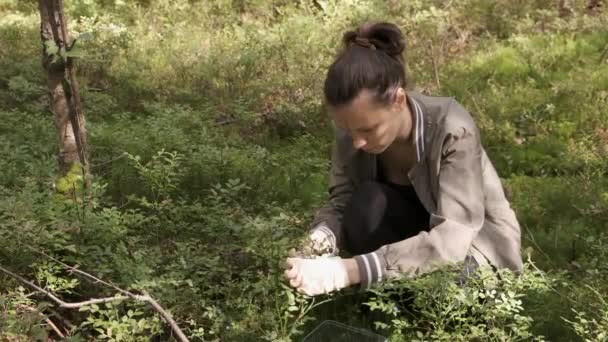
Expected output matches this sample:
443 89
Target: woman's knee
363 217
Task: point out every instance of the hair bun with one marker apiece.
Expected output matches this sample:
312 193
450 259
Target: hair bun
382 36
364 42
349 38
371 59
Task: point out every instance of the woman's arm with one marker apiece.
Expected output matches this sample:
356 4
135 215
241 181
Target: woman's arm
329 217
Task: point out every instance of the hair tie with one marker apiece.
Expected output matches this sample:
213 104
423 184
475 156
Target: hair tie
364 42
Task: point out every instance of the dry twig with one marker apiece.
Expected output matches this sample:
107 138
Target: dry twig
46 319
126 294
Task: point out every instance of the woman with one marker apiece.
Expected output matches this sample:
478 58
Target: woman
411 188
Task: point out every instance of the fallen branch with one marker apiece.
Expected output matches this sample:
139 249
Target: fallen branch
57 300
46 319
69 326
143 298
54 327
73 269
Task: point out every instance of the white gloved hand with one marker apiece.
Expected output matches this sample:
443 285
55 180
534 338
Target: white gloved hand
317 276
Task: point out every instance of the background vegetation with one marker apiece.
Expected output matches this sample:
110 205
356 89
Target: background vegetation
210 152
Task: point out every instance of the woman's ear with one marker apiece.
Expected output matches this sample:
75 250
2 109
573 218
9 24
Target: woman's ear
400 99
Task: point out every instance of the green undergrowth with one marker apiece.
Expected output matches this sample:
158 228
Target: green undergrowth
210 149
539 100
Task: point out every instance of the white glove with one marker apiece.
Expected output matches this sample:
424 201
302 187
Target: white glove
317 276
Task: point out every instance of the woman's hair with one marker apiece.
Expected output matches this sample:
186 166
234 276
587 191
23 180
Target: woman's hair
371 59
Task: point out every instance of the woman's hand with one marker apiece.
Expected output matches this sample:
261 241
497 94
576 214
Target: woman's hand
321 275
322 242
319 242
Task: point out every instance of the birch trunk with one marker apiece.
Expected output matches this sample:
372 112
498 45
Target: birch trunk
64 96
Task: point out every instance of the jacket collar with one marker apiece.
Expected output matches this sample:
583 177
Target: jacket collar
424 125
418 116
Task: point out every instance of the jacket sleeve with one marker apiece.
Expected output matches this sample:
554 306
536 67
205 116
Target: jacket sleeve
329 217
453 226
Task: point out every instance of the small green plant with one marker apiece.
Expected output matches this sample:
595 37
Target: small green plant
160 174
20 317
591 326
434 307
113 322
294 314
50 276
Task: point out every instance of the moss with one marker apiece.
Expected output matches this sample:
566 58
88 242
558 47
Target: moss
72 182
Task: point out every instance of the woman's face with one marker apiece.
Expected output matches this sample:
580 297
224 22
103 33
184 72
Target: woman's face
372 126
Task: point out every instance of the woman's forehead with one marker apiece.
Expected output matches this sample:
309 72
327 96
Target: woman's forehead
361 112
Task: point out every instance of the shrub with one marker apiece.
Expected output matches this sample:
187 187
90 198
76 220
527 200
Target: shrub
435 307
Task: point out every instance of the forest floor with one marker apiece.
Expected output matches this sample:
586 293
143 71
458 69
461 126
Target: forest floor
210 153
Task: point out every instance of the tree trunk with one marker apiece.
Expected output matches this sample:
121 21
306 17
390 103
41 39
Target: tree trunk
63 90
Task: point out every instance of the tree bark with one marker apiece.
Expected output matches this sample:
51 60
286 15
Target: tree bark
63 90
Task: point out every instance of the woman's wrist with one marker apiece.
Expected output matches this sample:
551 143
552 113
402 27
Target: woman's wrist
352 270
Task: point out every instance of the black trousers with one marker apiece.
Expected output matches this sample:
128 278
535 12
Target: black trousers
380 213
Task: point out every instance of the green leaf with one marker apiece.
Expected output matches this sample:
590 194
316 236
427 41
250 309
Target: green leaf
142 324
74 52
291 299
51 47
85 36
71 248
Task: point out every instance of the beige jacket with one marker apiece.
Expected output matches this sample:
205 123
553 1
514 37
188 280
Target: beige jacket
456 183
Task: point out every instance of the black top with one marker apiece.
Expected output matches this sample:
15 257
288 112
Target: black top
407 192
